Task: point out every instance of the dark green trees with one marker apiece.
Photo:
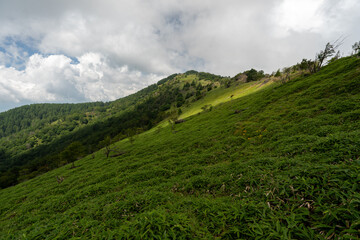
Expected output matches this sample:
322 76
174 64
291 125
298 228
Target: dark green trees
73 152
253 75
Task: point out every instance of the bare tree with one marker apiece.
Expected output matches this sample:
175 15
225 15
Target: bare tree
108 147
286 76
329 51
322 55
106 144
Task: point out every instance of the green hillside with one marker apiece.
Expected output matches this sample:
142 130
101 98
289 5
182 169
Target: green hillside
274 162
221 95
37 138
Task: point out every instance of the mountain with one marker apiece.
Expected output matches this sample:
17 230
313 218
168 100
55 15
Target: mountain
272 158
38 138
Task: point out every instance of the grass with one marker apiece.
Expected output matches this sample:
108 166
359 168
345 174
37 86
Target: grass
221 95
286 167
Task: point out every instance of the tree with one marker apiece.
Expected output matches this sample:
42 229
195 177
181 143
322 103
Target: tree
188 95
7 179
286 71
278 73
180 100
186 86
228 83
336 57
323 55
3 155
328 51
108 147
106 144
251 75
306 64
73 152
356 48
130 133
198 95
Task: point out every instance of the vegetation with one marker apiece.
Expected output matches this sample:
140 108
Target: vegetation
35 138
280 162
356 48
250 75
253 75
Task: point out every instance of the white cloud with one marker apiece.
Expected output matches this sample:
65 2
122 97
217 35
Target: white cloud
55 79
123 45
293 15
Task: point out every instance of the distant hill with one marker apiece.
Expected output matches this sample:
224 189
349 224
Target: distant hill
34 138
276 158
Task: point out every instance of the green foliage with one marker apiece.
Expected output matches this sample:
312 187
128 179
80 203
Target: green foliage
198 95
323 55
306 64
106 143
179 100
189 94
227 83
169 78
186 86
39 148
278 73
3 155
286 167
73 152
191 72
253 75
209 76
37 115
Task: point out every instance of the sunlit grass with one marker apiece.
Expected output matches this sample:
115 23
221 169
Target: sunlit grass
221 95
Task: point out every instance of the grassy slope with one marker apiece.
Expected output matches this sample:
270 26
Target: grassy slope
286 167
221 95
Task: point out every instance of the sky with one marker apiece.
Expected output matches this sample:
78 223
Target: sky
100 50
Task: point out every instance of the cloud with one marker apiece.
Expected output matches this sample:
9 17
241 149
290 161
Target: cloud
55 78
102 50
299 16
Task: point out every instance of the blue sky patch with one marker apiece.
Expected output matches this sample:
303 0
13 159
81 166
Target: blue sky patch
17 51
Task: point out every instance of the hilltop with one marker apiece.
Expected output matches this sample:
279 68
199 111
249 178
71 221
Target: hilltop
263 159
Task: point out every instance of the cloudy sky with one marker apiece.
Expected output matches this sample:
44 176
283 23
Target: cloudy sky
101 50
